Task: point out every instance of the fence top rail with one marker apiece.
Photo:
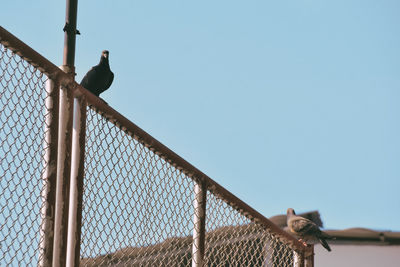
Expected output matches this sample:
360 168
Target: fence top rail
67 80
34 58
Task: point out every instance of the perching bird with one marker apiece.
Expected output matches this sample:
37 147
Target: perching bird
100 77
306 229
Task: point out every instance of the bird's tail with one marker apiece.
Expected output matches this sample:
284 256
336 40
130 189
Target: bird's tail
324 244
326 236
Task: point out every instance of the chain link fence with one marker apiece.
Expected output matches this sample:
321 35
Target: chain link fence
133 200
140 204
138 210
233 239
22 159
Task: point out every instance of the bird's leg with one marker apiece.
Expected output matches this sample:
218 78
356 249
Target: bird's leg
302 241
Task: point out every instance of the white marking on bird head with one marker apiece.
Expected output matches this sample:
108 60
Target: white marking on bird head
105 53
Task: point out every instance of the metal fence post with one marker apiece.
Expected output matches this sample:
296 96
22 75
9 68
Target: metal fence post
49 175
71 12
199 231
309 257
298 259
63 175
66 109
76 189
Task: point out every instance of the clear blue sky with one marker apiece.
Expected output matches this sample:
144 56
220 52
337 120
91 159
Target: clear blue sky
284 103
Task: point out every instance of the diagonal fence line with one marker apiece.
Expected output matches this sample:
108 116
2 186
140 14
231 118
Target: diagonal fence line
281 245
139 203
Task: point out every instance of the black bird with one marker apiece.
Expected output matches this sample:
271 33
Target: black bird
306 229
100 77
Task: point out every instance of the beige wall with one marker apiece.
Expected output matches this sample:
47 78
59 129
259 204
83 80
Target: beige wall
357 256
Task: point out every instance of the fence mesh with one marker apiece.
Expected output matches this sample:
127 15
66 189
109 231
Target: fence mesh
232 239
137 208
22 146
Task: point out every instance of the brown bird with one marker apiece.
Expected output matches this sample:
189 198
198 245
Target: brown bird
306 229
100 77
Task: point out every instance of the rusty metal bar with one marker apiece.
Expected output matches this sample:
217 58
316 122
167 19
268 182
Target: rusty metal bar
77 175
49 174
28 54
70 36
65 138
298 259
199 218
63 176
34 58
309 257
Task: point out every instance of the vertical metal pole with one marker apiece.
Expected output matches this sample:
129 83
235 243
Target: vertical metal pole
269 253
70 36
76 190
199 231
63 175
298 259
49 175
309 258
65 138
